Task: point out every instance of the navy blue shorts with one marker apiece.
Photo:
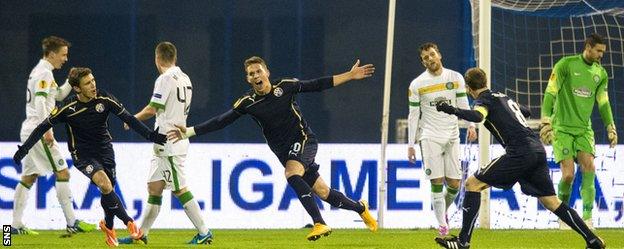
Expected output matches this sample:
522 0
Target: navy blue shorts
530 170
89 165
303 151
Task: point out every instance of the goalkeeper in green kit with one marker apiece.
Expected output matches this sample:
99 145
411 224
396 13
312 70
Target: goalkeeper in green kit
575 83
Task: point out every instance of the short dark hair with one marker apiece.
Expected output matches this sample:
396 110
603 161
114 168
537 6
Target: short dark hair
167 52
53 44
426 46
475 78
254 60
77 73
594 39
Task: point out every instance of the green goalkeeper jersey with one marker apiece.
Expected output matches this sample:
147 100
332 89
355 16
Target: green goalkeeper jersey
573 87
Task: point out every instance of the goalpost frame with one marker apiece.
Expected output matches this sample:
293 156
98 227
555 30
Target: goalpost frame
485 28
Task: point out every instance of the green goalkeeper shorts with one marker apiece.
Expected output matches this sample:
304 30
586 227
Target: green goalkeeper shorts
566 145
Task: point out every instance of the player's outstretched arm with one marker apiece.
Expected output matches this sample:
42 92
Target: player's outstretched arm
141 128
213 124
34 137
357 72
469 115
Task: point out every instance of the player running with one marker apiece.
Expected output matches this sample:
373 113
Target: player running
85 116
524 161
574 85
274 108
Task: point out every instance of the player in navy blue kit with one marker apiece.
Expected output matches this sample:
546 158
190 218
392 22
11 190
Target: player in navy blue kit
273 107
524 161
85 116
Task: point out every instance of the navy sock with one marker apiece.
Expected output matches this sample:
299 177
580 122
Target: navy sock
109 216
111 203
339 200
472 202
304 192
570 217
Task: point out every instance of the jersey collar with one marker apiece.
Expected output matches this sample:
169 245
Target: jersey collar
46 64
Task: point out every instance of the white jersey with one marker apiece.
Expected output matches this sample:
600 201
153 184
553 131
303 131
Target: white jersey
424 92
40 96
172 99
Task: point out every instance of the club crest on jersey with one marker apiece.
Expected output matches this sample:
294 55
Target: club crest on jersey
449 85
89 169
596 78
428 171
99 107
278 92
61 162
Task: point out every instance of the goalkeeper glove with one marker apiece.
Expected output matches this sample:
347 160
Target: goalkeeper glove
612 135
546 131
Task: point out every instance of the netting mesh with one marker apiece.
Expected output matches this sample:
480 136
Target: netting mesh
527 39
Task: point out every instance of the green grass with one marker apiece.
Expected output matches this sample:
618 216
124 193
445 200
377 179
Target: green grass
340 238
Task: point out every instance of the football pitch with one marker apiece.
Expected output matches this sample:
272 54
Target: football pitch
340 238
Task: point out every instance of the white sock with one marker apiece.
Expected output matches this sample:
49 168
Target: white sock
439 207
19 204
151 213
449 198
63 194
192 210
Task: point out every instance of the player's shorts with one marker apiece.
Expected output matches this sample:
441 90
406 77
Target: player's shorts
304 152
530 170
441 158
89 165
169 169
566 145
42 159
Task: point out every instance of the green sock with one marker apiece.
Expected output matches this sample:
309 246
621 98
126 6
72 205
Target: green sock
564 191
588 193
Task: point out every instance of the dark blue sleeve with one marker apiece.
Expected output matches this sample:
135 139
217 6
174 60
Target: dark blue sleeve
315 85
526 112
469 115
218 122
36 135
135 124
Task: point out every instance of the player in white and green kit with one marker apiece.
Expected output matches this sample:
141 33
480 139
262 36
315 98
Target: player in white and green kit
574 85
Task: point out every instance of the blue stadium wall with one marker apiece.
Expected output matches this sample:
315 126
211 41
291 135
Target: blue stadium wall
303 39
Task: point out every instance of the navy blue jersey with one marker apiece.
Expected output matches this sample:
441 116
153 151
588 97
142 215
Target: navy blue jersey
86 123
505 119
276 112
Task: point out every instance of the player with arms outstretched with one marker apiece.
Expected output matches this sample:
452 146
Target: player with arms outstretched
524 161
576 83
274 108
86 119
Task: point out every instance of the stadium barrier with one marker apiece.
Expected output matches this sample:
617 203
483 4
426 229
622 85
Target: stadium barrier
243 186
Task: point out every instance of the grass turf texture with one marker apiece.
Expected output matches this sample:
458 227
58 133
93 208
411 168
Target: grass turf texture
340 238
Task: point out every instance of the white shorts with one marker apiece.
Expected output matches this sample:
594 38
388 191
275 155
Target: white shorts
169 169
42 159
441 158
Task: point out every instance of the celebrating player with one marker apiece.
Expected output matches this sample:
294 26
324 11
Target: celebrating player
575 83
274 108
41 94
439 132
170 103
85 117
524 161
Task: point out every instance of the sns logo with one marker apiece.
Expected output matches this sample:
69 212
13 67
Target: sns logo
6 235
